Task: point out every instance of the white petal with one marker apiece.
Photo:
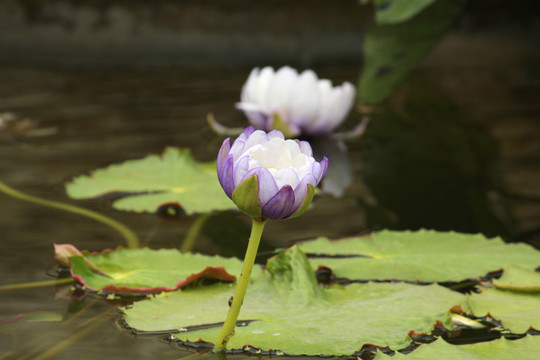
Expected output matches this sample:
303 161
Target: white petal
286 176
280 91
257 138
263 84
305 104
249 90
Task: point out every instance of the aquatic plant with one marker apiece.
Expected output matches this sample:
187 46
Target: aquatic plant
267 177
297 104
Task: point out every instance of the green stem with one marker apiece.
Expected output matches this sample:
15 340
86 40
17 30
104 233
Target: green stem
35 284
228 327
193 233
131 239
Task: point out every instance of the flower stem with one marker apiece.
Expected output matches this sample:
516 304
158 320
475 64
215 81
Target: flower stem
230 322
131 239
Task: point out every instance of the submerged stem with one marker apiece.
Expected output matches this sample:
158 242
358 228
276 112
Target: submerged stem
193 232
230 322
131 239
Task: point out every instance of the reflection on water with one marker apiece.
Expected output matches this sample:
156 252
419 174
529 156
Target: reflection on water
409 171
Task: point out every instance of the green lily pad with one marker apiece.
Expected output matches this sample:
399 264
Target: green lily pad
419 256
517 311
286 310
146 185
517 278
527 348
150 271
393 49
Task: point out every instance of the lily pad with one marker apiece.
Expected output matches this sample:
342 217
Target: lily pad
517 278
149 184
286 310
527 348
150 271
392 49
516 311
418 256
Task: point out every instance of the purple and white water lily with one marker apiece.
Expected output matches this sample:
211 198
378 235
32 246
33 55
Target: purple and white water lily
297 104
269 177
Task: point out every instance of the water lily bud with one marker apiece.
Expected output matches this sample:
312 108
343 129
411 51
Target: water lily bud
296 104
267 176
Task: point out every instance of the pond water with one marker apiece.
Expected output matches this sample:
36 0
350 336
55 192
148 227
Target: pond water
433 160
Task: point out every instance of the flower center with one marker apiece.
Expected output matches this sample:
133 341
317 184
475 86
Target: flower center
280 157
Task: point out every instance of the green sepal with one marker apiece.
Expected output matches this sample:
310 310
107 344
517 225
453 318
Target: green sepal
246 197
306 203
282 126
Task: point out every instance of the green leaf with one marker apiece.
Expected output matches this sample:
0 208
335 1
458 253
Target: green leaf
527 348
145 185
517 311
517 278
393 50
285 309
246 197
150 271
396 11
419 256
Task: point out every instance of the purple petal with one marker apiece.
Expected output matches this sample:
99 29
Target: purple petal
225 175
246 133
223 152
237 148
267 184
256 116
301 190
324 167
280 205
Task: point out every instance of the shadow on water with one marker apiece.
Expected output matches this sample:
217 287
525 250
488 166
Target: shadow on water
421 164
428 167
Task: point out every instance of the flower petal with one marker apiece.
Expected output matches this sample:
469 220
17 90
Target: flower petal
267 184
263 84
280 91
255 114
225 175
305 148
305 105
302 189
280 205
249 90
223 152
241 166
286 176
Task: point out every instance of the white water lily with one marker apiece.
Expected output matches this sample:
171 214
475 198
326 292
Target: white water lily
303 103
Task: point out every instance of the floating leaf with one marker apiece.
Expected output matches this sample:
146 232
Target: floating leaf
419 256
393 50
150 271
527 348
154 182
286 310
517 278
516 310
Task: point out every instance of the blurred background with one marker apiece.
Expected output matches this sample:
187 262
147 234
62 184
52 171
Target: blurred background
455 144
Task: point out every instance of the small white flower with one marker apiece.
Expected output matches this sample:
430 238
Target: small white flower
305 104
